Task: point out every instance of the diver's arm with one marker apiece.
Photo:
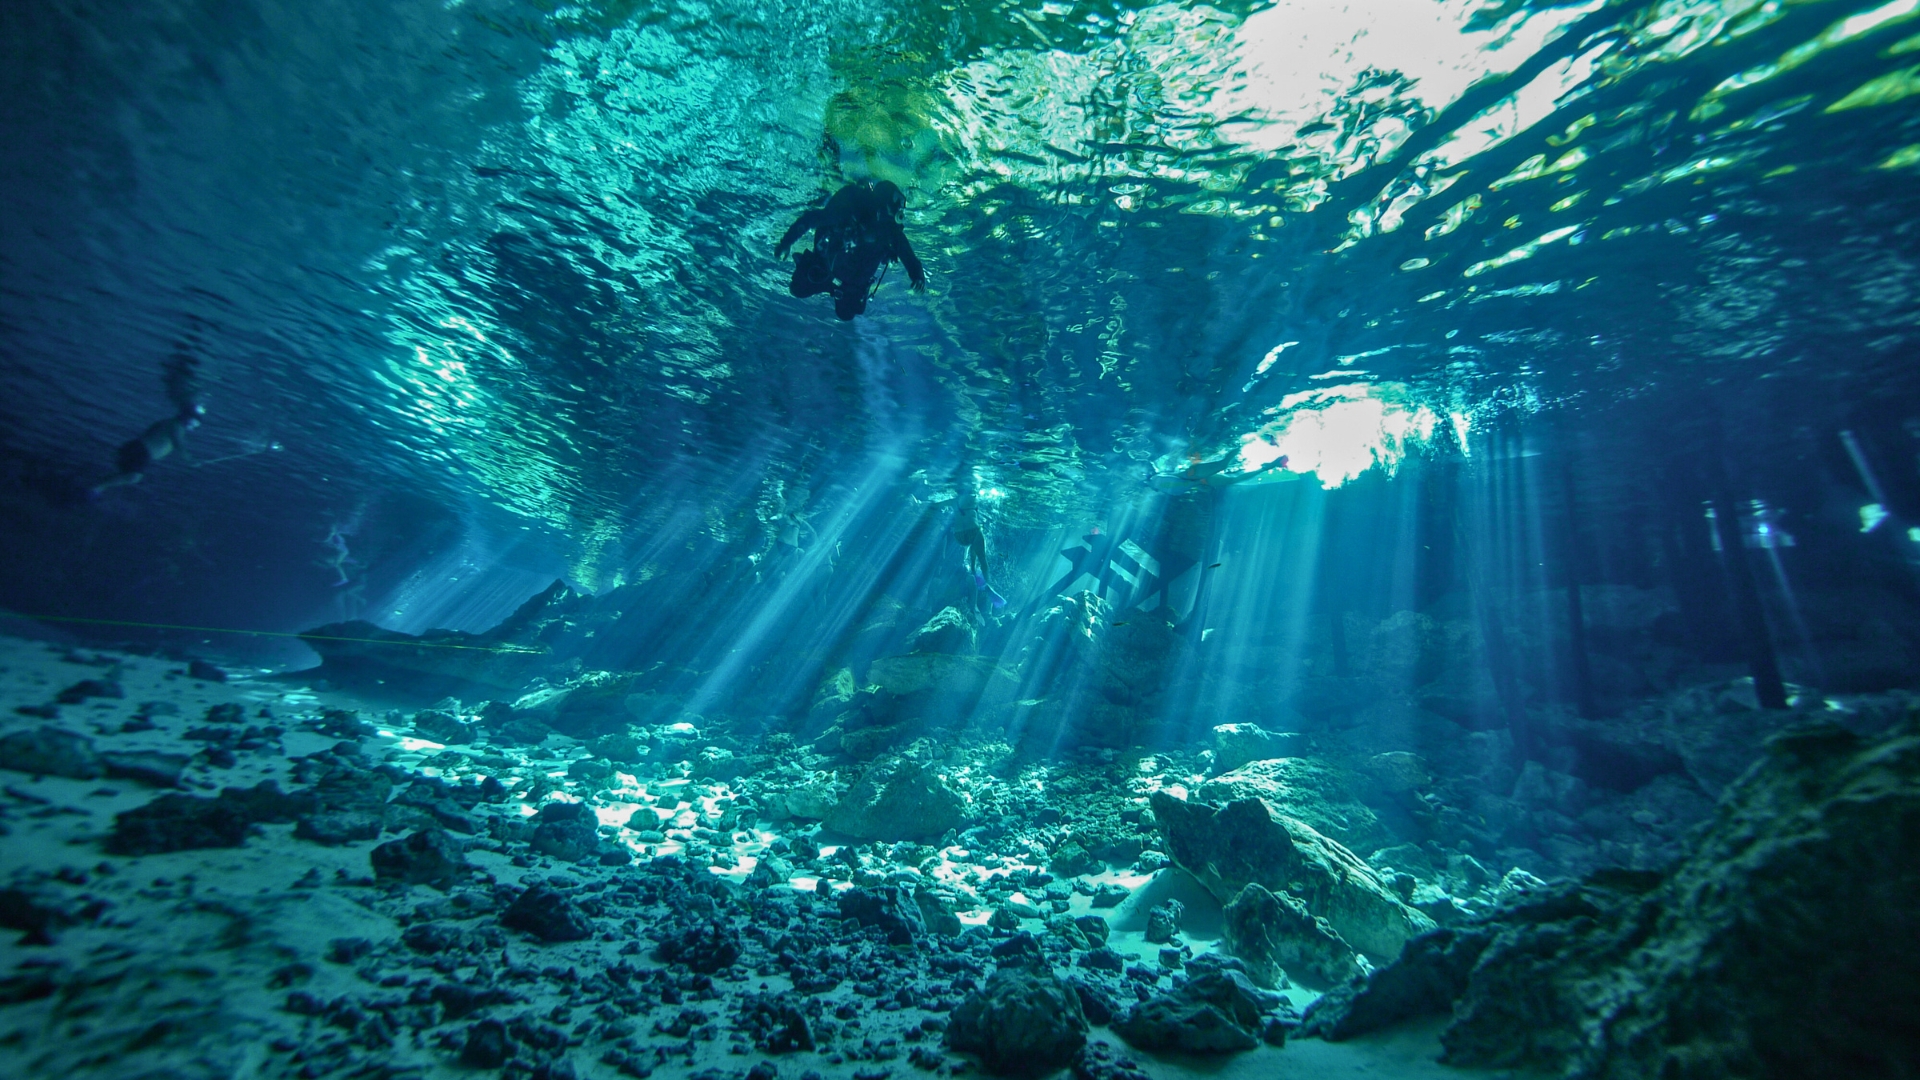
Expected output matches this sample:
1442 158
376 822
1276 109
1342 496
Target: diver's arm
797 230
916 273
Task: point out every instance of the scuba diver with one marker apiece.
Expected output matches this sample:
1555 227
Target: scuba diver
966 532
855 236
166 437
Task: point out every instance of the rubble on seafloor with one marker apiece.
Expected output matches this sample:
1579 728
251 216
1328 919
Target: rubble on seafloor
245 876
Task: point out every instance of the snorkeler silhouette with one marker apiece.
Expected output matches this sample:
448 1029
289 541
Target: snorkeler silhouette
855 236
967 533
166 437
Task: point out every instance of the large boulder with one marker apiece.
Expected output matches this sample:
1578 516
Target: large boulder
1320 795
1217 1012
1278 937
1804 878
1246 842
967 677
1236 744
1431 972
898 799
950 631
1024 1022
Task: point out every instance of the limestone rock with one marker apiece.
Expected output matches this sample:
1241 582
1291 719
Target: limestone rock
1024 1022
937 914
548 915
1431 972
1217 1012
1277 937
335 827
1399 771
51 751
950 631
1246 841
704 947
1309 791
957 676
806 800
1170 1023
1805 877
153 767
1163 922
567 831
890 907
898 800
428 857
178 823
1235 745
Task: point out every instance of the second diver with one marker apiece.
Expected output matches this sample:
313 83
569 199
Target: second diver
855 236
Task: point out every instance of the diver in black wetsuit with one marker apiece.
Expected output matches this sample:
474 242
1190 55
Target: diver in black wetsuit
855 236
166 437
158 441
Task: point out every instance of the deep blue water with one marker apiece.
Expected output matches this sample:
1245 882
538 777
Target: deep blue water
480 295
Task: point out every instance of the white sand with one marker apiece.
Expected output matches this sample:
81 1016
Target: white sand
185 973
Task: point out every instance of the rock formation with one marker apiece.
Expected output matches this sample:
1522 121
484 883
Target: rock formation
1247 842
1783 946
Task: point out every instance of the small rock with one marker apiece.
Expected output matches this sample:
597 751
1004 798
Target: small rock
567 831
428 857
548 915
145 766
1095 928
938 915
1099 1061
1163 922
705 948
89 688
345 950
1022 907
1110 894
487 1046
336 827
892 908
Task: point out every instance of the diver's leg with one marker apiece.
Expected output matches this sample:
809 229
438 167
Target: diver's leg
116 480
848 303
133 458
811 275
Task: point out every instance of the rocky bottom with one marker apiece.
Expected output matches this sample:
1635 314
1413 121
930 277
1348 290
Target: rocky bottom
214 876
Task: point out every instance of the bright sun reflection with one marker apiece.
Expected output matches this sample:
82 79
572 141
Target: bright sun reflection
1338 432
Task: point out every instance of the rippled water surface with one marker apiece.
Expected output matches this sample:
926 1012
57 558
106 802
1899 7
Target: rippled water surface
509 265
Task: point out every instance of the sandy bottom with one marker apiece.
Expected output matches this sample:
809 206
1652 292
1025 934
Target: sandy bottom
179 965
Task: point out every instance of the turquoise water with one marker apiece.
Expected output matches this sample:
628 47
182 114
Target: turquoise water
1409 456
483 295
